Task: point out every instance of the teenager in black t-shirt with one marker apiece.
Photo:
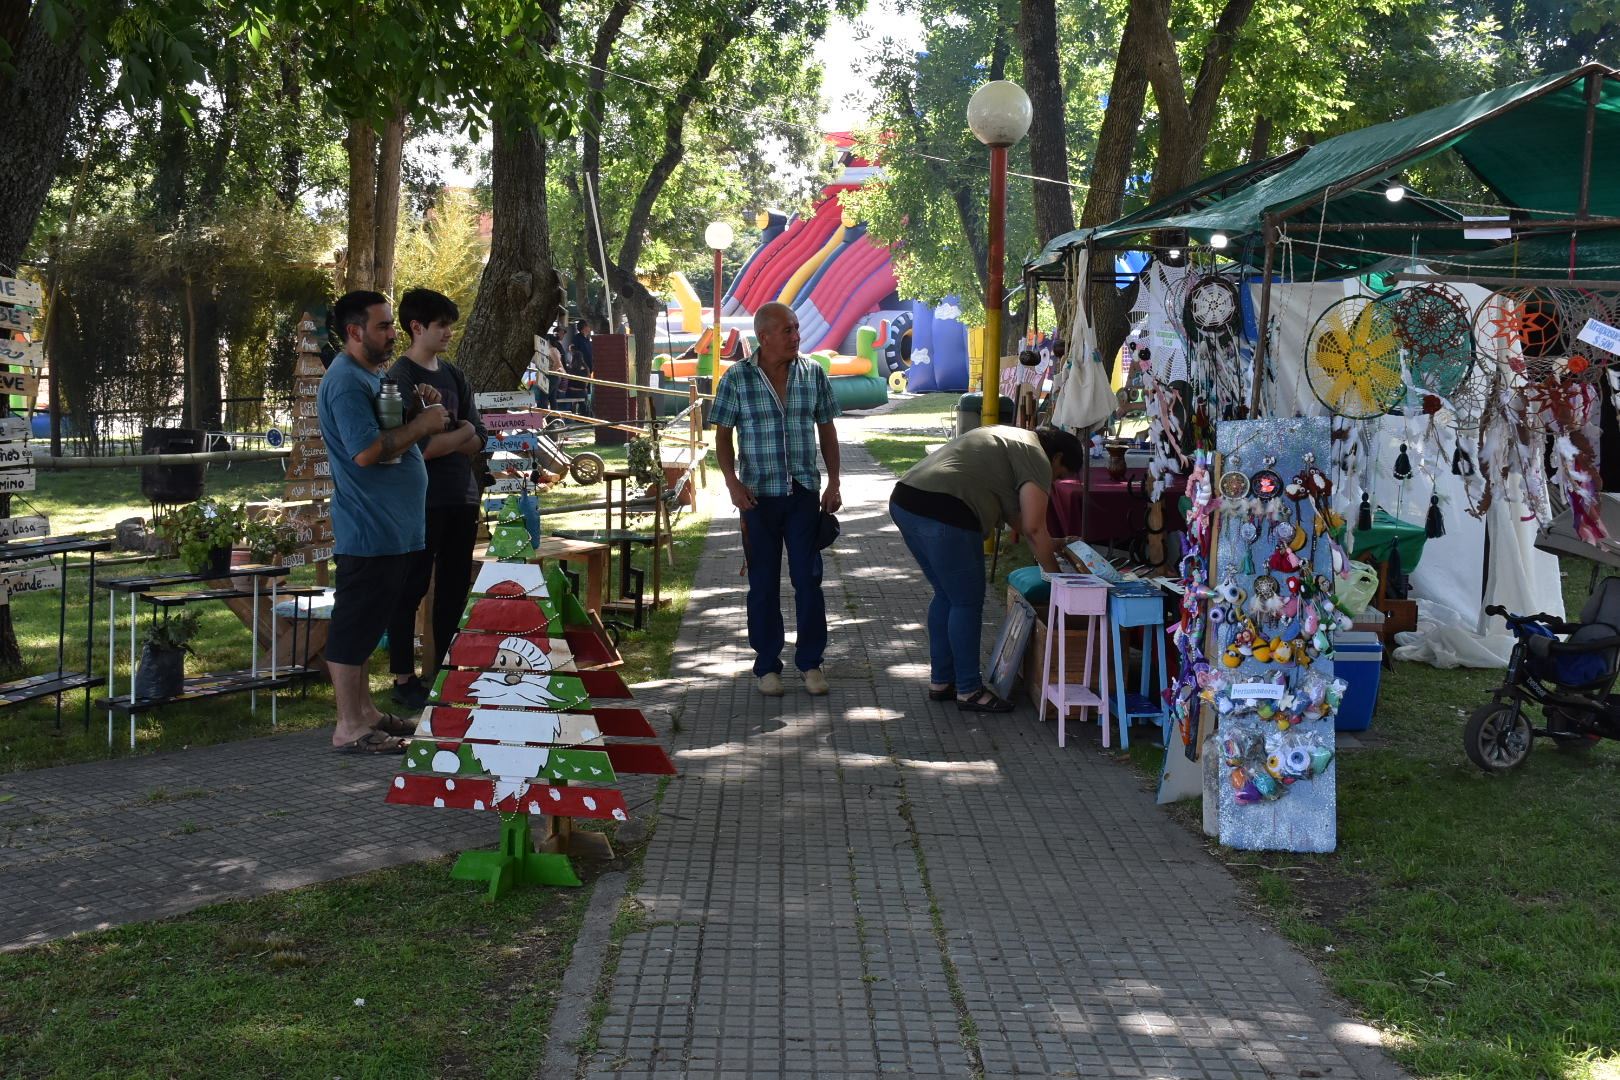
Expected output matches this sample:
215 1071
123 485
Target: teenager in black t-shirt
453 494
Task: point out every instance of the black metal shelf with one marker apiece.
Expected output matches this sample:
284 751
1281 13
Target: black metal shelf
212 684
57 682
38 686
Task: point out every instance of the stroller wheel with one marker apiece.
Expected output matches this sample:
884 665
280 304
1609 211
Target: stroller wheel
1497 737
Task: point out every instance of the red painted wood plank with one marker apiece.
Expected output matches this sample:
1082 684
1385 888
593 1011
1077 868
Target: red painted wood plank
464 793
527 615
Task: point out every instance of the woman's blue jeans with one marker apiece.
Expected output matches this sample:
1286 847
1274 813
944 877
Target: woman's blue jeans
777 522
952 559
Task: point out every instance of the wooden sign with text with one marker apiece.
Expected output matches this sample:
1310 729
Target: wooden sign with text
300 490
21 528
29 354
30 579
505 399
14 428
18 291
19 382
16 480
308 555
512 421
309 366
14 454
16 318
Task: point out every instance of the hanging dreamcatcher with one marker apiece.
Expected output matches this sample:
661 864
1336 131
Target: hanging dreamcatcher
1212 317
1545 388
1212 308
1433 326
1352 359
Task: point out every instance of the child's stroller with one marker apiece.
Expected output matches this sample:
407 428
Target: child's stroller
1571 679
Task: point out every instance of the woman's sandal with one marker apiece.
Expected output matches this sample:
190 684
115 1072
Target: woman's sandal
395 725
983 701
942 695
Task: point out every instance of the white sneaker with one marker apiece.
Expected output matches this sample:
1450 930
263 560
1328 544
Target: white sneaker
815 682
771 685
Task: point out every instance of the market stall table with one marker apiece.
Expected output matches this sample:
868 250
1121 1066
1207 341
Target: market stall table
1118 510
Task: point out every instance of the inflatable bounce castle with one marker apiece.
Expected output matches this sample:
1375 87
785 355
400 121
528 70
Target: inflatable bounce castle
841 284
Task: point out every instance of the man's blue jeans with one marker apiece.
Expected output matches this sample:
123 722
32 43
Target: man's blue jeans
775 522
952 559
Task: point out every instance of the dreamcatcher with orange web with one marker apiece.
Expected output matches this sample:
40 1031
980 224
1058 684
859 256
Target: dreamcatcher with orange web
1544 383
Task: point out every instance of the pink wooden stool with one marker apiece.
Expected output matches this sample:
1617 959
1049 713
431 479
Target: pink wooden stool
1076 594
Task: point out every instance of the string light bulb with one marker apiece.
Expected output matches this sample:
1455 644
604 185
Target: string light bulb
1218 240
1395 193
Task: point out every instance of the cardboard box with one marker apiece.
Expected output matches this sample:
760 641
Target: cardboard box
1035 655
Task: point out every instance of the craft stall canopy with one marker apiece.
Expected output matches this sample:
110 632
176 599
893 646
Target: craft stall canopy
1447 393
1547 147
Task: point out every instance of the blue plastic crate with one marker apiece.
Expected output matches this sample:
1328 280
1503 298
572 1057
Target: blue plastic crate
1358 658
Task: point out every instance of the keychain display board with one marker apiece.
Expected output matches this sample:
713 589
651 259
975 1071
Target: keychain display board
1271 615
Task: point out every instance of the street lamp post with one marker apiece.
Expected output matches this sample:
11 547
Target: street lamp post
998 114
718 236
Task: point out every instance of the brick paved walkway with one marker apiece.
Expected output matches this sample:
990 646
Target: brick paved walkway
871 884
863 885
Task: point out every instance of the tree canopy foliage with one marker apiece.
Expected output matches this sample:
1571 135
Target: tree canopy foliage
1158 92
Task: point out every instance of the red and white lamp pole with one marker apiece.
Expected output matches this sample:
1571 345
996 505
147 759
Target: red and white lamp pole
717 236
999 115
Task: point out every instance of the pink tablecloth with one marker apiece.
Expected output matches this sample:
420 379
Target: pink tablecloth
1117 513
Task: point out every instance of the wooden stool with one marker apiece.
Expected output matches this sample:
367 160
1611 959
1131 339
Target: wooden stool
1080 595
1139 604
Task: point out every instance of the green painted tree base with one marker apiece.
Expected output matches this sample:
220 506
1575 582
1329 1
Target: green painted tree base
516 863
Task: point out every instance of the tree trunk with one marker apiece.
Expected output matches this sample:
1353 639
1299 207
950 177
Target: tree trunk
519 293
1184 123
390 160
1048 143
292 152
361 270
1048 140
1105 199
38 95
623 273
1260 140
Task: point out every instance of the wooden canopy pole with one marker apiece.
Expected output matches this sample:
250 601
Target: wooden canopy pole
1263 329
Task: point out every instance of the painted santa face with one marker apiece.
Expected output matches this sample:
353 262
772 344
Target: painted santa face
508 661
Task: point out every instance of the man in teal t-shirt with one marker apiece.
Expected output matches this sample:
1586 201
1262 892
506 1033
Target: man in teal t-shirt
378 506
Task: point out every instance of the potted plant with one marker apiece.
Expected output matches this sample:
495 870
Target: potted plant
161 672
641 460
269 536
202 533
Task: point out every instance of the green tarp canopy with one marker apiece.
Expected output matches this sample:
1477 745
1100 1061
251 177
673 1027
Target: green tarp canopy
1524 142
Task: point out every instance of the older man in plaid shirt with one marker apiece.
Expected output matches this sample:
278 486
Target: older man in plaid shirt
781 407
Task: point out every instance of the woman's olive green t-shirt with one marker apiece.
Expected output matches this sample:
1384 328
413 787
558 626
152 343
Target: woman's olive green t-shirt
985 468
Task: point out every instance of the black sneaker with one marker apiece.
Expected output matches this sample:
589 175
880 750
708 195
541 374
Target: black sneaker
410 694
